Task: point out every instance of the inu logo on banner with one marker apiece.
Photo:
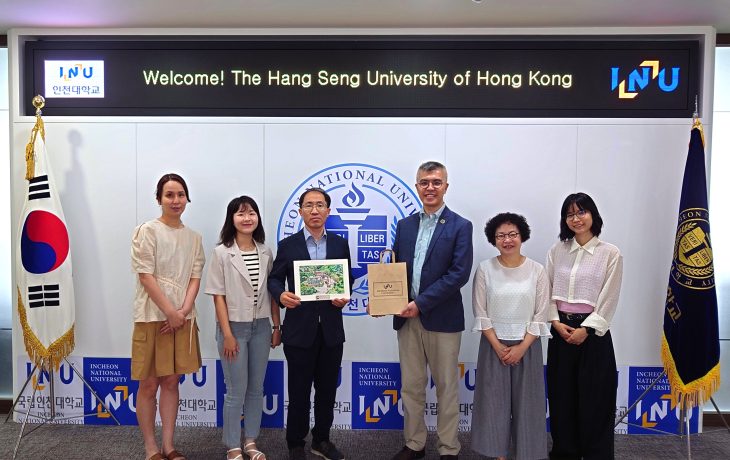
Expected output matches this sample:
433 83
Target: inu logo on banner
198 404
666 79
74 79
376 395
367 203
67 396
657 410
110 378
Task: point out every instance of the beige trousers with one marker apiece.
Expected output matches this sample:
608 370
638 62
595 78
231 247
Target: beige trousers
417 348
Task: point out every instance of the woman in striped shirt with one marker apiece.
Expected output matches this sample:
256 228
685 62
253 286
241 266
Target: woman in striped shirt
237 276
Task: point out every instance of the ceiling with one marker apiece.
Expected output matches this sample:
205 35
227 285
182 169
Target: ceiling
362 13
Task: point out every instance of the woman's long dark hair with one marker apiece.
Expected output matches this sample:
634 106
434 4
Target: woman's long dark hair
228 232
582 201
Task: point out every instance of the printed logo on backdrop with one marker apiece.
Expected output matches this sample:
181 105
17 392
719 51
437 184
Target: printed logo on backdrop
273 411
68 394
648 72
376 396
74 79
198 402
110 378
367 202
657 410
467 381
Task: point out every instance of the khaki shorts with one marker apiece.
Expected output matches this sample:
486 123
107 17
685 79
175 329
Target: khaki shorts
157 355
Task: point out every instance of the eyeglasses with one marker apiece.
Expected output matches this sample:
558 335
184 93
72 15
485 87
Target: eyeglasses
580 214
436 183
308 207
504 236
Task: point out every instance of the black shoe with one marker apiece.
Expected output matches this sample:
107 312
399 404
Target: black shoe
407 454
449 457
326 450
297 453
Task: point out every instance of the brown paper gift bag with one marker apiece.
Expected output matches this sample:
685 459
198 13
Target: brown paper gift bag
387 286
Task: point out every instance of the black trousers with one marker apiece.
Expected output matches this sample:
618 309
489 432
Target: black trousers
581 387
318 365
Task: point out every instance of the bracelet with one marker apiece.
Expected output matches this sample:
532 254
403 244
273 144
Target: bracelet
276 327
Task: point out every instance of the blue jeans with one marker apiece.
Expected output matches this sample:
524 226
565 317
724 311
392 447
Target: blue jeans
244 377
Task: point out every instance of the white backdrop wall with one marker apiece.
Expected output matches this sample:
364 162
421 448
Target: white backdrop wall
106 170
5 261
106 175
720 214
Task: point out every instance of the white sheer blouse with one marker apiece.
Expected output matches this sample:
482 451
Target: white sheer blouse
513 301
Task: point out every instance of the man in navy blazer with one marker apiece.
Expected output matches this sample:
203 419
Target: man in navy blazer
436 245
312 332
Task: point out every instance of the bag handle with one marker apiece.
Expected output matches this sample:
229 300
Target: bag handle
392 255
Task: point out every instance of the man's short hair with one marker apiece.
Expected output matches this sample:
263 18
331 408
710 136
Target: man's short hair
327 198
432 166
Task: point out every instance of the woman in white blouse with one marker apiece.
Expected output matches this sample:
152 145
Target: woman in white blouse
237 275
585 274
510 301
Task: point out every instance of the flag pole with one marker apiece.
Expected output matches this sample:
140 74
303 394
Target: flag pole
43 357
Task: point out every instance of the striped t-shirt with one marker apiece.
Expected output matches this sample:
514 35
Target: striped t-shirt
251 258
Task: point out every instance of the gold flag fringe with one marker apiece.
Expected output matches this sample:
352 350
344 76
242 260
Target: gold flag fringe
39 354
30 147
694 393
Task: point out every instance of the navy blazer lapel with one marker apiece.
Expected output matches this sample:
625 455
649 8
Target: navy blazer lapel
440 224
331 249
410 235
301 247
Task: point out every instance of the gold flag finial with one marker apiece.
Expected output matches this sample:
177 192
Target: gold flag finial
38 102
696 122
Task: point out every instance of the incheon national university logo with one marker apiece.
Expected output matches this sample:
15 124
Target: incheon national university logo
367 202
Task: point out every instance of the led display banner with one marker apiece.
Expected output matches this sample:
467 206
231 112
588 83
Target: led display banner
434 76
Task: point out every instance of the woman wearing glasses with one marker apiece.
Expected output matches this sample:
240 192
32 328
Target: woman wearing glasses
585 274
237 278
510 301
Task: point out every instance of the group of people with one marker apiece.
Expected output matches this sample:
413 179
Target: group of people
513 300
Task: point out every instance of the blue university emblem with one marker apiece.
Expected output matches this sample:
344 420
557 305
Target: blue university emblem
367 202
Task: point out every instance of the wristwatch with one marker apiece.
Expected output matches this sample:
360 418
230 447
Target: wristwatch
590 330
276 327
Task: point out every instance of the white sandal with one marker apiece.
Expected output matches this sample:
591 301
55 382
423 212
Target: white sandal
237 457
253 453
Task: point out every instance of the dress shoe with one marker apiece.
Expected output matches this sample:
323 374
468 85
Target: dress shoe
407 454
297 453
326 450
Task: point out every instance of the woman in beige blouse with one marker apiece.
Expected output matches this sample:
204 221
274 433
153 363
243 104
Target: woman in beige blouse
168 259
